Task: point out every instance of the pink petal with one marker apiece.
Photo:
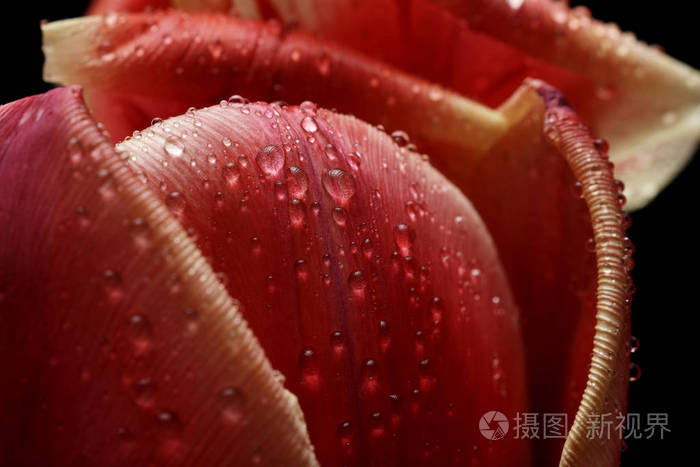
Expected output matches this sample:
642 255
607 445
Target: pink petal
119 346
523 186
369 279
646 104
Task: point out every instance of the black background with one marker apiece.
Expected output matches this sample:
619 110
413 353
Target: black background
664 232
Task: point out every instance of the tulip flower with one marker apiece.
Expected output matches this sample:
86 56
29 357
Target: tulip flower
259 280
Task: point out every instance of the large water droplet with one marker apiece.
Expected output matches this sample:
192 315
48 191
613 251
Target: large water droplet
339 185
173 146
340 216
309 124
270 159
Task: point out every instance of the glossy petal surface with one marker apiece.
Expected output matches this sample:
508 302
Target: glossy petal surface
368 278
521 180
521 183
119 345
646 104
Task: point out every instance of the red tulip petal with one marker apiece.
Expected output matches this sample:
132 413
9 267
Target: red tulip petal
369 279
119 345
98 7
547 194
608 365
542 232
161 55
646 104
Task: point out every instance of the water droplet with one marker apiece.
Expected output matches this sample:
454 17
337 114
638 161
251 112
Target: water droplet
338 343
309 124
419 344
339 185
331 152
175 202
354 161
297 213
635 372
231 403
174 146
255 245
139 231
345 436
436 310
601 145
426 379
297 182
308 107
323 64
634 344
144 391
367 249
231 173
302 270
340 216
170 423
310 374
280 190
404 237
370 382
75 151
384 336
112 285
107 188
357 283
83 216
271 160
376 426
236 99
139 332
400 138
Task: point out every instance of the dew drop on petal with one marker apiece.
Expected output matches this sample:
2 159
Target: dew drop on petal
173 146
297 182
231 403
310 374
404 237
271 160
340 216
339 185
357 283
309 124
